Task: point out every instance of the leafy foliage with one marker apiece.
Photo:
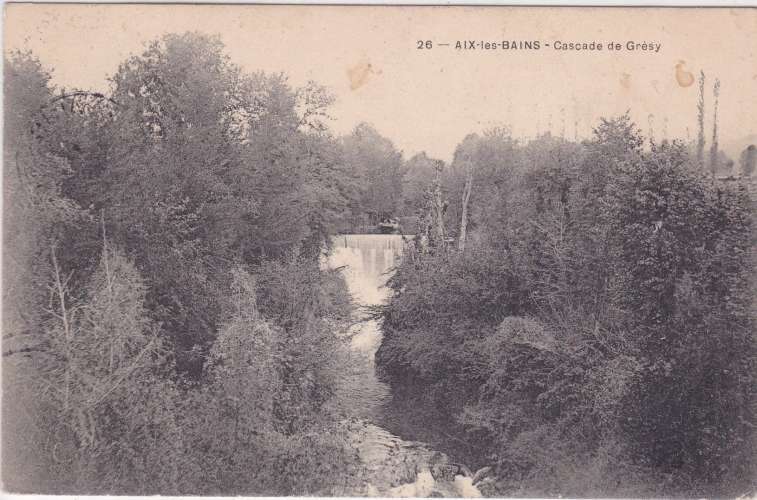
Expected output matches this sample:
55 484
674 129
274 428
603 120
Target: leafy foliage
171 330
597 339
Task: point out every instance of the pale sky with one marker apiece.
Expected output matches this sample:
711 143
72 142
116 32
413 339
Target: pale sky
428 100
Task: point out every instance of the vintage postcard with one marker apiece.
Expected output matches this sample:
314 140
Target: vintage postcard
396 251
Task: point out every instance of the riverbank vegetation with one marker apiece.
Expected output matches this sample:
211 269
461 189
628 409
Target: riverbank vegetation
595 337
167 325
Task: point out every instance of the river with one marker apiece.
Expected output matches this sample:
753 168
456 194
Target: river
393 466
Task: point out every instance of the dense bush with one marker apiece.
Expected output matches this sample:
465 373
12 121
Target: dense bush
167 326
597 337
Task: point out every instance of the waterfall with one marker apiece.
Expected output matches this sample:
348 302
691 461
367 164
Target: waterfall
394 467
367 257
366 260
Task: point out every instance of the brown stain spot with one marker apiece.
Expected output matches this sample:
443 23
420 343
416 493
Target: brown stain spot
625 80
683 77
359 73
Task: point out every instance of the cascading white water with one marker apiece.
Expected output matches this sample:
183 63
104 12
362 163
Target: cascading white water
366 259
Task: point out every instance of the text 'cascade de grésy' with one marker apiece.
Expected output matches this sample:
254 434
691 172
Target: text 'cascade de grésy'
630 46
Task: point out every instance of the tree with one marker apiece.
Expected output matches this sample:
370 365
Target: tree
714 158
101 373
420 170
465 155
747 160
378 167
700 121
681 274
35 214
209 167
466 199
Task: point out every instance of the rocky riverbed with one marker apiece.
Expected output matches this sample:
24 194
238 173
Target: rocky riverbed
393 467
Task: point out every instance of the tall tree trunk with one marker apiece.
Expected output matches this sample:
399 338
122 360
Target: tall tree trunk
466 198
700 122
437 208
714 146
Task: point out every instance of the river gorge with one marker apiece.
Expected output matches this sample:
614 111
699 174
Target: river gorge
392 466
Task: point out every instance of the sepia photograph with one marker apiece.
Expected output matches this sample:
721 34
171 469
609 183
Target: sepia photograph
379 251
